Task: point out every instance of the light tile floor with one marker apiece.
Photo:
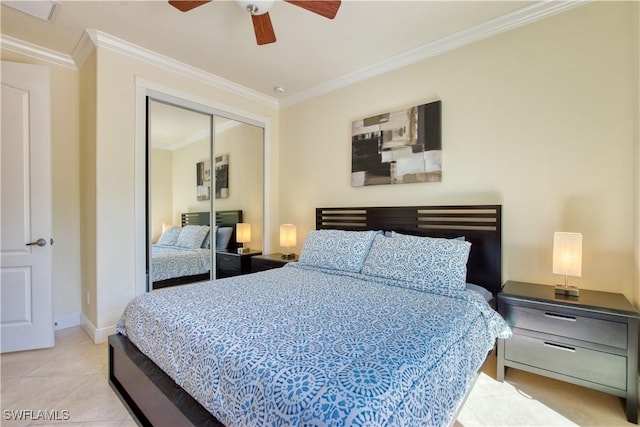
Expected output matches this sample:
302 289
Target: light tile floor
72 377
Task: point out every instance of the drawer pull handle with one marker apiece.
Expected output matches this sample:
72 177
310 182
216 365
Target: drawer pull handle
560 317
559 347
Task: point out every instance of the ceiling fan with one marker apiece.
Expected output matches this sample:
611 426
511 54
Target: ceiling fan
259 10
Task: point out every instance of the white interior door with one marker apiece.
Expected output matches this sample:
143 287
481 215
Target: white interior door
26 319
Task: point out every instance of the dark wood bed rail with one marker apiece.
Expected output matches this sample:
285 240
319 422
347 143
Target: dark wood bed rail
481 225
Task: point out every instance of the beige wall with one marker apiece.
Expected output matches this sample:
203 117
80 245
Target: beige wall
161 170
184 178
88 189
65 184
636 71
539 119
243 144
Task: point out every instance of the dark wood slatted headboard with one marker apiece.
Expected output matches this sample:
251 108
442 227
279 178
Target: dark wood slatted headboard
203 218
195 218
228 217
479 224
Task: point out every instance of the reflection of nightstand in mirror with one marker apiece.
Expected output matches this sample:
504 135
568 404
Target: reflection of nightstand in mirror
233 264
269 261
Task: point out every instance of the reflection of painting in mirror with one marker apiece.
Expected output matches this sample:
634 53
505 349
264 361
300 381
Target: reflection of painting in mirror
203 180
222 176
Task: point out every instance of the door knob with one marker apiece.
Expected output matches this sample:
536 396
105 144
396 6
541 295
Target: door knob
39 242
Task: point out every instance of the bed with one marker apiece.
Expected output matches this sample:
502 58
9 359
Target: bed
182 254
357 332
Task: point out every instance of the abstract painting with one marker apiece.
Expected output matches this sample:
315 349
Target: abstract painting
398 148
203 180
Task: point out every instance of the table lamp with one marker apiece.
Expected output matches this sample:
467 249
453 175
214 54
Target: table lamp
567 260
288 240
243 236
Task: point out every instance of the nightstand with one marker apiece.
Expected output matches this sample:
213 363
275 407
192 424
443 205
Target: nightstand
269 261
590 340
233 264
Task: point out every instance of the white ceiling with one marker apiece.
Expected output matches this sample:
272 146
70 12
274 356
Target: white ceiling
312 54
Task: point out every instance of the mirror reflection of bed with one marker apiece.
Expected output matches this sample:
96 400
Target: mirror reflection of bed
182 254
183 153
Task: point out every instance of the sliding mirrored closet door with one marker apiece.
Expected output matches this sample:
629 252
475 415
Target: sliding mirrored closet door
205 174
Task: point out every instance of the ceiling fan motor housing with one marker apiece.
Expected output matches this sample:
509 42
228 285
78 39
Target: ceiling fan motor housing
255 7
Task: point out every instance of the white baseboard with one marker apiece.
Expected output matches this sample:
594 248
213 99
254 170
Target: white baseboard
66 321
98 335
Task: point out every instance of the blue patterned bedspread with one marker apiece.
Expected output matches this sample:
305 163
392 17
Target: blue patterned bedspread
168 262
301 346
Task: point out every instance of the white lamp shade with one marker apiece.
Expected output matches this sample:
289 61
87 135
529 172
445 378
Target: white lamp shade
287 235
567 254
243 232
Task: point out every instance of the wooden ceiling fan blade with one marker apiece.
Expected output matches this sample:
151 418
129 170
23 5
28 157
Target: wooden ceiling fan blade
187 5
326 8
263 28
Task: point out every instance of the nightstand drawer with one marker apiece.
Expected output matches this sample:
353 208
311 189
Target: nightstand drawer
598 331
589 365
262 265
228 262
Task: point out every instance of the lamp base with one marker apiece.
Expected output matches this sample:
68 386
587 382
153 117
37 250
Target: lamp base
288 256
244 250
571 291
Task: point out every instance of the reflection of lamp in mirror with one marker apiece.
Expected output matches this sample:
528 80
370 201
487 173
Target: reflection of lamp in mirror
166 226
567 260
243 236
288 240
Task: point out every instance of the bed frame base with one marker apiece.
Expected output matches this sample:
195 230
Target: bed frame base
183 280
151 396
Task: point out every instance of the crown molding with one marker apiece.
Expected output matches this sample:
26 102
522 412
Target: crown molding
94 38
198 136
106 41
37 52
84 48
501 24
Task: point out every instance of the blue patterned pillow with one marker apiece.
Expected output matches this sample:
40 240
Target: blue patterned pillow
170 236
223 235
337 249
421 262
192 236
206 244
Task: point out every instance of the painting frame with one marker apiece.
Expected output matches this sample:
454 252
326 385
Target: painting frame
399 147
